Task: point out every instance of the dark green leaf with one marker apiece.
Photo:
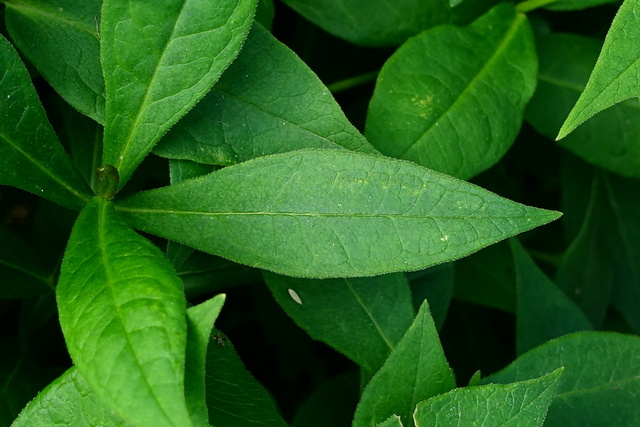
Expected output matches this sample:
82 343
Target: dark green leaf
600 382
265 13
363 318
436 286
268 102
62 39
31 157
122 312
159 59
575 4
522 404
331 213
415 371
452 98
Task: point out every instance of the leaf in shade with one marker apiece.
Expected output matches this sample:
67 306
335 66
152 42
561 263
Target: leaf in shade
615 75
122 311
331 213
158 60
268 102
451 98
363 318
575 4
31 158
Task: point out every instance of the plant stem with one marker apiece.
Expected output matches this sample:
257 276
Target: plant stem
342 85
529 5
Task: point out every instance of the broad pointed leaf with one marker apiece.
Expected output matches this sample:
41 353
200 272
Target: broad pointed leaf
522 404
31 157
363 318
452 98
415 371
600 382
62 39
331 213
159 59
268 102
122 312
616 75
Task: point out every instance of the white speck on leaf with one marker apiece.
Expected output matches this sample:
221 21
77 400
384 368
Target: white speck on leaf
294 296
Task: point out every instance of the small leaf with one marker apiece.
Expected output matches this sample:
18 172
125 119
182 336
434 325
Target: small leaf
522 404
451 98
234 397
268 102
600 382
544 312
331 213
159 59
62 40
415 371
363 318
615 75
31 157
122 312
107 182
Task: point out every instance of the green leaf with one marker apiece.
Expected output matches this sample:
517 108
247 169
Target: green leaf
608 139
268 102
122 312
600 383
363 318
199 324
373 23
392 421
574 4
22 274
68 401
543 311
265 13
615 75
522 404
415 371
436 286
31 157
159 59
234 397
62 40
452 99
330 213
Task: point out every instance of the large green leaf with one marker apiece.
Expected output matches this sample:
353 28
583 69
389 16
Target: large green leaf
268 102
159 59
615 76
543 310
234 397
522 404
363 318
452 98
62 40
600 383
331 213
31 157
122 312
415 371
607 140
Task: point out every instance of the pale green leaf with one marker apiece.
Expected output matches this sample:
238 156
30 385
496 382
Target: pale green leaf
61 39
452 99
415 371
616 75
159 59
392 421
608 140
363 318
331 213
522 404
268 102
600 383
234 397
543 310
122 312
31 157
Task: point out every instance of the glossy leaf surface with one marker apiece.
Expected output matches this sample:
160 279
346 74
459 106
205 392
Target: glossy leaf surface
31 157
452 98
122 312
268 102
330 213
158 60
